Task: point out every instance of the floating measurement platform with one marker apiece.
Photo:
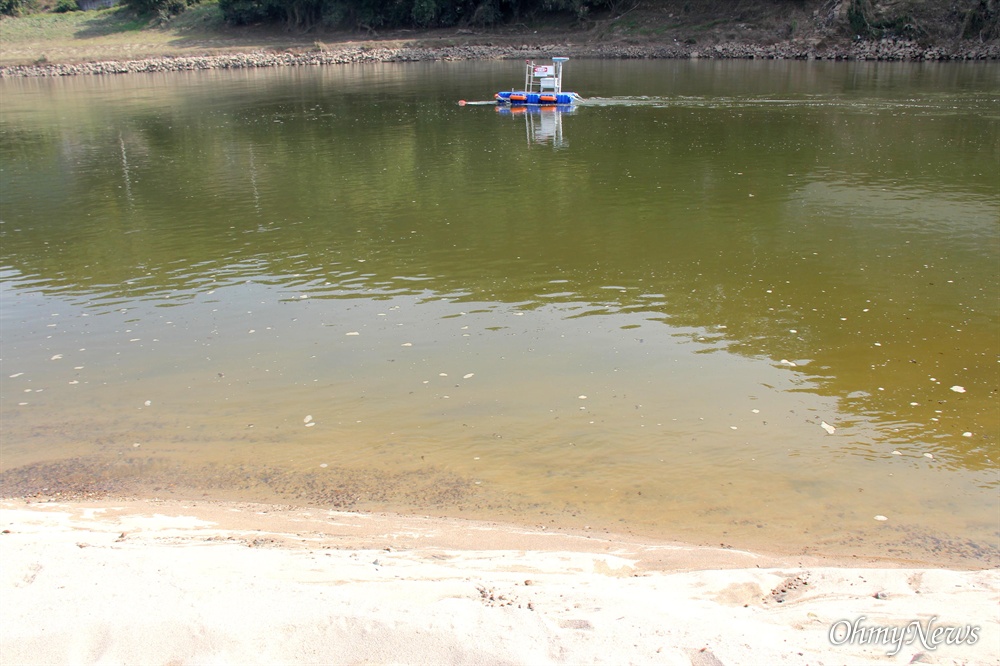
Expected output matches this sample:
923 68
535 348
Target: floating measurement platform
542 86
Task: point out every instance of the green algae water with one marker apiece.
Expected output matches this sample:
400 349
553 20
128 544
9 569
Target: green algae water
748 303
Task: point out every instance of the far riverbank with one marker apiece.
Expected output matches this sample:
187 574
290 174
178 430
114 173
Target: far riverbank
356 53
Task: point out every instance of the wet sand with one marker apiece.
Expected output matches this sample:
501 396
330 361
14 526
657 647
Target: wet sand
148 581
441 492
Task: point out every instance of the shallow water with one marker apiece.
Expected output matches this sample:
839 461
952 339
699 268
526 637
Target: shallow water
732 302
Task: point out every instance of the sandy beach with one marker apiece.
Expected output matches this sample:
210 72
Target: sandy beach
173 582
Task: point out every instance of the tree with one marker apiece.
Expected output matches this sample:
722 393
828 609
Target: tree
159 8
374 14
13 7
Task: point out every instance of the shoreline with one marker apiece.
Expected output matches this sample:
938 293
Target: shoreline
446 497
192 581
431 490
885 50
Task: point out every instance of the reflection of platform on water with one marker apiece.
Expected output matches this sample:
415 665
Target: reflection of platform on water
543 124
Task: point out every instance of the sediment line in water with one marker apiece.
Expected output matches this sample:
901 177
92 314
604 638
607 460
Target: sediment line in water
97 477
883 50
425 490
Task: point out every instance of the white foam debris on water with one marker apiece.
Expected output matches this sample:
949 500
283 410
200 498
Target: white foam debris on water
914 404
929 455
56 357
148 403
310 424
136 445
582 397
442 374
16 374
880 517
406 344
469 375
323 465
755 411
785 361
896 453
967 434
308 418
829 428
958 389
352 333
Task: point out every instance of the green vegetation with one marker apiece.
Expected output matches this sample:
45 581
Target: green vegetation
375 14
71 25
121 34
981 20
54 29
202 17
866 21
13 7
923 19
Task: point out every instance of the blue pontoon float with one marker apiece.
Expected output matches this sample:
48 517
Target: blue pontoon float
542 86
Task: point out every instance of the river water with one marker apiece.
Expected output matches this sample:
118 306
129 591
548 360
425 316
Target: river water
737 302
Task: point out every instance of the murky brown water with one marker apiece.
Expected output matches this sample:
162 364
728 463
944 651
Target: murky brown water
744 303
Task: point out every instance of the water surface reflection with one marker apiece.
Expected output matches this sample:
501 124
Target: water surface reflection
651 322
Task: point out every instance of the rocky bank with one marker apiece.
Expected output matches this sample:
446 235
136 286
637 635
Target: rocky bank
882 50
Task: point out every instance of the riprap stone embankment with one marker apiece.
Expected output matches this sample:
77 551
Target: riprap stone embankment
883 50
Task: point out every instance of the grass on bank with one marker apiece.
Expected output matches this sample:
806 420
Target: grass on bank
117 33
100 23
